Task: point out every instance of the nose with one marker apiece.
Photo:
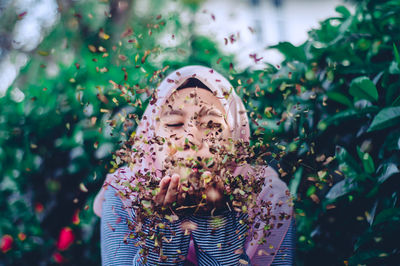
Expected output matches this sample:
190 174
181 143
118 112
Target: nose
194 136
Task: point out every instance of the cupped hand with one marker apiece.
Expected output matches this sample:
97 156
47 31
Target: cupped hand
174 189
171 190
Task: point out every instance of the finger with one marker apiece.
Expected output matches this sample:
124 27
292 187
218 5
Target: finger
164 184
172 192
183 187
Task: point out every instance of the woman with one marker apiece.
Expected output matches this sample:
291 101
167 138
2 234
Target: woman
174 114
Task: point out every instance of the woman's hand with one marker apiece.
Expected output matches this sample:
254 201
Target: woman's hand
175 189
170 191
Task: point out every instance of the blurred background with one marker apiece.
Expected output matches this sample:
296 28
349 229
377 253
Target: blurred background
253 25
320 80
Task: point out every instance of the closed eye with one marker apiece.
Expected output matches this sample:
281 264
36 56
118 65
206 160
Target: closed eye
210 124
175 125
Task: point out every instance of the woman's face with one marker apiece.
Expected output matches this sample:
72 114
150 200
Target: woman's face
191 121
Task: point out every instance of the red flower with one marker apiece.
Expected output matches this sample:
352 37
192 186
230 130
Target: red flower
6 243
65 239
58 257
39 207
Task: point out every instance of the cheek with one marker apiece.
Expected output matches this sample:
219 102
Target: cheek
161 154
164 151
224 135
171 135
225 139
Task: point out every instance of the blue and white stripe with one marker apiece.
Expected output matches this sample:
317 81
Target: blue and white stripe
218 242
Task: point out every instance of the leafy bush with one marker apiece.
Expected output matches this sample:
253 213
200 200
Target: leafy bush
330 112
338 97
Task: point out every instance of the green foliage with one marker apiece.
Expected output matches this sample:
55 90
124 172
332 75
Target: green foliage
339 94
387 117
363 88
330 112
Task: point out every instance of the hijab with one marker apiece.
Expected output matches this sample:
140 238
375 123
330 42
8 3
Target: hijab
274 191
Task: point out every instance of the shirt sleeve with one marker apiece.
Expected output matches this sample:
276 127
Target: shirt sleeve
114 229
219 240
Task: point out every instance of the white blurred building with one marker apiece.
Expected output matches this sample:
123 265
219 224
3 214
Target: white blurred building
273 21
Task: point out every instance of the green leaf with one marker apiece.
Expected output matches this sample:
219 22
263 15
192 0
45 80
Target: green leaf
394 68
396 54
396 102
340 189
344 27
368 163
391 214
340 98
290 51
363 88
343 156
391 93
343 11
346 115
387 117
311 190
392 143
294 183
360 153
386 171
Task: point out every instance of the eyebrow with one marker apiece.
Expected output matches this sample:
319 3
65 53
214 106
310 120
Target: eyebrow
173 112
203 112
212 112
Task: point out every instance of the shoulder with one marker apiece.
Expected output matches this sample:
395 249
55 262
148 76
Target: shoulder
113 189
275 191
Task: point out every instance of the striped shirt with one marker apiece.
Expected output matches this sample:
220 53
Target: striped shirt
217 241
